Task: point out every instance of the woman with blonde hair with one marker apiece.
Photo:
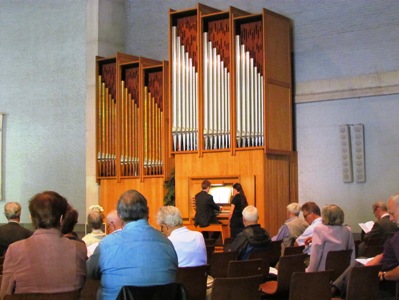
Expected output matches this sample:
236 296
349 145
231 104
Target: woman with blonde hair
331 235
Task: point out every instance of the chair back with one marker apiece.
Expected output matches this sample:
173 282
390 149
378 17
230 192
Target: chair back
243 268
233 288
276 253
338 261
89 290
209 252
220 262
311 285
194 279
287 266
73 295
171 291
291 250
266 257
227 242
363 283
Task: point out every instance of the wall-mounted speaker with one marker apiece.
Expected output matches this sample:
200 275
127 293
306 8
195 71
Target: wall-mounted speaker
359 153
346 152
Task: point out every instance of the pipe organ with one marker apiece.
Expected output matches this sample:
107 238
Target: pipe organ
222 109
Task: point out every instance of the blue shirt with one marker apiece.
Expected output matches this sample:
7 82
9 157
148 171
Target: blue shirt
137 255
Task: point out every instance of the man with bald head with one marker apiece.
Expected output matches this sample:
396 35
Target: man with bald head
113 222
12 231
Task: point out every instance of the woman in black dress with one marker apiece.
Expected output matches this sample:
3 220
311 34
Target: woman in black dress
238 203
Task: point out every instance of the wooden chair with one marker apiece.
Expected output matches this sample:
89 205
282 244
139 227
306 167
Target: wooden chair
266 256
89 290
244 268
338 261
227 242
233 288
312 285
363 283
74 295
276 253
194 279
220 262
209 252
288 264
171 291
291 250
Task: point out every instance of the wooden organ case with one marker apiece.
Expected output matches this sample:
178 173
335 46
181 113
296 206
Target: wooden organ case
132 124
231 107
221 110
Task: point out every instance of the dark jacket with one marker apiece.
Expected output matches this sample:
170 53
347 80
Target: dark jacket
252 238
10 233
205 209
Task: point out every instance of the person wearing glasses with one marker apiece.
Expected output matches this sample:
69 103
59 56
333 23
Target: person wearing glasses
189 245
382 228
311 214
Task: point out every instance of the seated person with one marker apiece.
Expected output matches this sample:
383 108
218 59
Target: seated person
12 231
113 223
292 228
253 237
331 235
68 224
382 228
189 245
46 262
205 208
137 255
311 214
389 260
95 219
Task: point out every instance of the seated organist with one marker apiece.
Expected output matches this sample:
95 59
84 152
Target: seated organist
253 237
46 262
189 245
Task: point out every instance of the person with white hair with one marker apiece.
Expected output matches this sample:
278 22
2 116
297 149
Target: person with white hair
189 245
12 231
292 228
253 237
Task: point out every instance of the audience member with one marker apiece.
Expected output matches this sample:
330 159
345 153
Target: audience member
205 209
137 255
311 214
46 262
253 237
382 228
12 231
68 224
95 220
113 223
389 259
238 203
189 245
292 228
331 235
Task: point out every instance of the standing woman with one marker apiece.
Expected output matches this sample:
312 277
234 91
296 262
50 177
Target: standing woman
238 203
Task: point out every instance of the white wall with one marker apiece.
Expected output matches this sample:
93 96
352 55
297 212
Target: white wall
42 92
